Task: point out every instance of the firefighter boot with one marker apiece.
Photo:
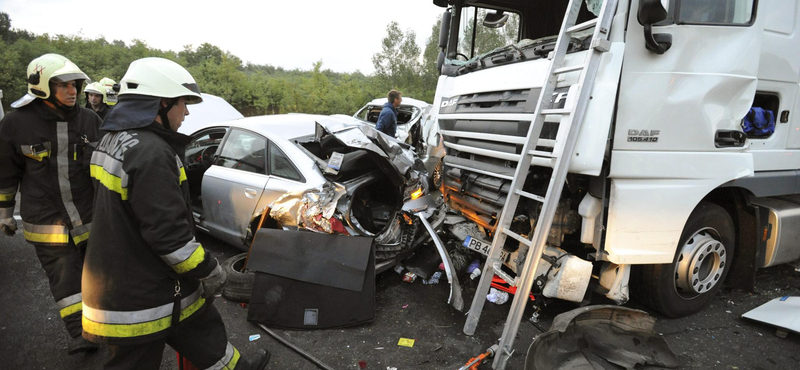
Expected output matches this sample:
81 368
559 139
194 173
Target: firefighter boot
259 360
80 344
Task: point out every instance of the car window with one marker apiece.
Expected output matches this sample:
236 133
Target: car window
244 150
281 166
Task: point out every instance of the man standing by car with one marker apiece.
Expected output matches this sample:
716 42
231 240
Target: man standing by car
387 120
147 282
44 151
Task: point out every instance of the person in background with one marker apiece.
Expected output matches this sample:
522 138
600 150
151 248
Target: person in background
387 119
96 99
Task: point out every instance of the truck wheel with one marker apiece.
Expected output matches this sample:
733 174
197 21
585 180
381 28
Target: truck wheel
696 274
240 283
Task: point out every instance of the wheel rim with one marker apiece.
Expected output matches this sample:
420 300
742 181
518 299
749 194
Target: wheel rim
701 264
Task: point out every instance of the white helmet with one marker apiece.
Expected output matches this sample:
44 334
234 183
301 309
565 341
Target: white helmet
44 69
110 96
94 88
161 78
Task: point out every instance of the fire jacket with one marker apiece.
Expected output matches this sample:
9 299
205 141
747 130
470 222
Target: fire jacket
44 153
142 249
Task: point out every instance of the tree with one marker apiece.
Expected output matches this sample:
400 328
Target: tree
430 74
397 64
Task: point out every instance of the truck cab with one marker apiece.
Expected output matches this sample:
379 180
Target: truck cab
685 172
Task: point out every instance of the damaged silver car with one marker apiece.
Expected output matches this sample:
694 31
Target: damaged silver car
330 174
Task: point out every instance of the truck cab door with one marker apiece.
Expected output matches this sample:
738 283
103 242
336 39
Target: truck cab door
693 95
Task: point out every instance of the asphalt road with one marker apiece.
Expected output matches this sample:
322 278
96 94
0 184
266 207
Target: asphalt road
32 335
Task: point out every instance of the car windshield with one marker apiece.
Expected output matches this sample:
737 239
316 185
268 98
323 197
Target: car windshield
405 113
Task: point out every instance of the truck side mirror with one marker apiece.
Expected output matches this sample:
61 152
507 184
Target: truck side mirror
495 20
444 32
650 13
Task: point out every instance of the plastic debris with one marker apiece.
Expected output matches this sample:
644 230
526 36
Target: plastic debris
497 296
405 306
244 305
362 364
391 368
409 277
399 269
255 337
434 279
405 342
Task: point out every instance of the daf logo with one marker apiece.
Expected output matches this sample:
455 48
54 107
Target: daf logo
449 103
643 136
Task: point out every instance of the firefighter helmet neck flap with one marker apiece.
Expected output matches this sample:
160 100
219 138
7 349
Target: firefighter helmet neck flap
44 70
146 82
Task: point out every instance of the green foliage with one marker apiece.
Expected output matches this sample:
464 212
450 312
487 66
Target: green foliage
252 89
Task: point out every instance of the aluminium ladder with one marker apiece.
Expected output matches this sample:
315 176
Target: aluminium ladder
571 116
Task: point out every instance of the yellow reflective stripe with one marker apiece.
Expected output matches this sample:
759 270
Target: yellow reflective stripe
55 234
182 177
190 263
80 238
110 181
140 329
71 309
7 197
235 360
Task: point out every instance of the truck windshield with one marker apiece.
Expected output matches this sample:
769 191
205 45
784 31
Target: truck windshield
529 32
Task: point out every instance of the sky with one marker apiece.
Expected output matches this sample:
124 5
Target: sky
289 34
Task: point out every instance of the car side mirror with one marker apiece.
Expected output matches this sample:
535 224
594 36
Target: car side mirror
650 13
495 20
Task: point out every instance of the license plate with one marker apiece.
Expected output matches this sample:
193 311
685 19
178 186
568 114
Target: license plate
481 246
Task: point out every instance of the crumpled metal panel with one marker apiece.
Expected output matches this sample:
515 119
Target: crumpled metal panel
311 209
600 337
361 136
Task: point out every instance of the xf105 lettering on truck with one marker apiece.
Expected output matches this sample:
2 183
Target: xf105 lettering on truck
684 174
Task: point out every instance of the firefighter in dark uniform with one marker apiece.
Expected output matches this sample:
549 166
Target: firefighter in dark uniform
96 99
147 282
44 152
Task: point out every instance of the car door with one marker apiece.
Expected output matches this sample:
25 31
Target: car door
284 175
233 185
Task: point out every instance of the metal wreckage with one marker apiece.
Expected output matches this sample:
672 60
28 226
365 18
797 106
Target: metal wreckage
377 187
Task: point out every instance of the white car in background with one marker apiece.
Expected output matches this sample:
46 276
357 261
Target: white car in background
211 109
413 120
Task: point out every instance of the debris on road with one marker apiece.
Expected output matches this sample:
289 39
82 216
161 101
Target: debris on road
255 337
405 342
598 336
782 312
434 278
497 296
409 277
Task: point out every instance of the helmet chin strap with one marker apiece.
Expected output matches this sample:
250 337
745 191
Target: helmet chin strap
163 114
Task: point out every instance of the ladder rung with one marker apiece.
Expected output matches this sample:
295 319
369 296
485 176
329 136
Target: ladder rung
540 153
583 26
516 236
556 111
561 70
529 195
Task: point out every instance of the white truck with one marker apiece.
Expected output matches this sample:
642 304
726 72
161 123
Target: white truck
666 192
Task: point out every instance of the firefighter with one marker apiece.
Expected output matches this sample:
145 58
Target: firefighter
96 99
147 281
44 152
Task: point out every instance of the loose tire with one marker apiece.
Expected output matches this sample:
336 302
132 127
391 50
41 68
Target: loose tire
240 283
696 274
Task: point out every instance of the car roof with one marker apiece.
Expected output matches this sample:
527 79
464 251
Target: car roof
285 126
406 101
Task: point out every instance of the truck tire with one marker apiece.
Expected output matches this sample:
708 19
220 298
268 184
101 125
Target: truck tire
240 283
696 274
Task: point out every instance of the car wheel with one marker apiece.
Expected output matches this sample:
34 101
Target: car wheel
240 283
702 261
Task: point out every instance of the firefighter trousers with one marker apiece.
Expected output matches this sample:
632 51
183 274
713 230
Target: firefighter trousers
63 265
202 340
